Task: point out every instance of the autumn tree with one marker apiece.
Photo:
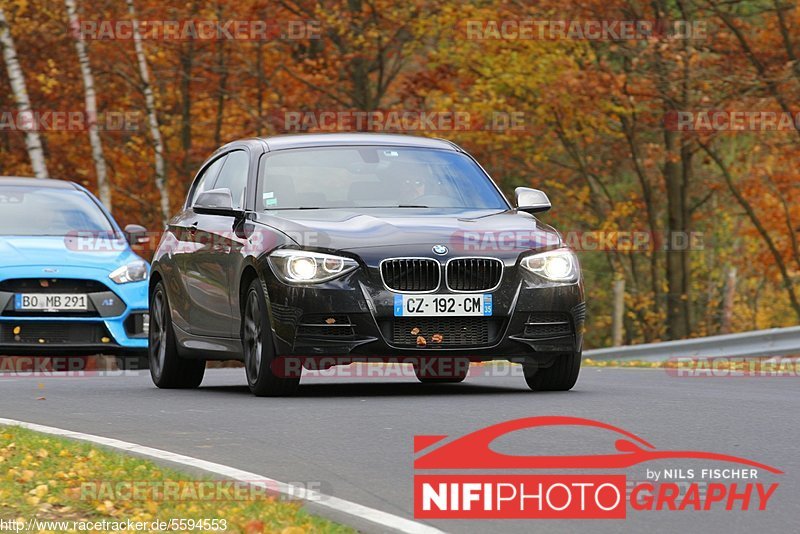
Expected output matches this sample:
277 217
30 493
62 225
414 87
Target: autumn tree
16 79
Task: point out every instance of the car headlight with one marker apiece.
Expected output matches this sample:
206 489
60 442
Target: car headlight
133 272
559 265
302 267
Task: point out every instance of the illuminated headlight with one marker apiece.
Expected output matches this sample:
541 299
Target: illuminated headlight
302 267
133 272
555 265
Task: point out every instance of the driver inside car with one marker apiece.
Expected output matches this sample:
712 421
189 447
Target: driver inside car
414 182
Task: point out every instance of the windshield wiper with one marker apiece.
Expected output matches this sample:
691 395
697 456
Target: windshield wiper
297 208
391 207
347 207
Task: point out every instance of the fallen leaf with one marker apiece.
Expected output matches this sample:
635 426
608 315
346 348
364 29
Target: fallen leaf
39 491
421 342
254 527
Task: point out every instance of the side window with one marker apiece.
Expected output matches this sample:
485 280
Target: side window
206 181
233 176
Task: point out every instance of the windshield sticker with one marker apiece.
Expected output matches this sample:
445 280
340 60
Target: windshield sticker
270 200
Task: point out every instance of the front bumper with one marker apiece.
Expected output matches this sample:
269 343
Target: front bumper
115 323
353 317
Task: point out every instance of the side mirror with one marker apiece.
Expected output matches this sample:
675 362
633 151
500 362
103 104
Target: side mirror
531 200
216 202
136 234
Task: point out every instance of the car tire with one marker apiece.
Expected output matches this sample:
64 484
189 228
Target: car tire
259 349
428 372
167 369
561 376
133 361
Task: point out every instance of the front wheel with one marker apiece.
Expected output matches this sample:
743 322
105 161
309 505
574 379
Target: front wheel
561 376
264 375
167 369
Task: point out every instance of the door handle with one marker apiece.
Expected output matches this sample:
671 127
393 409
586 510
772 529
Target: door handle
193 228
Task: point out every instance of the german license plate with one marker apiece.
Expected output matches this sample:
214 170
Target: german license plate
50 302
442 305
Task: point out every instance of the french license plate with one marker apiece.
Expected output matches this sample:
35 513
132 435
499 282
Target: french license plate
442 305
50 302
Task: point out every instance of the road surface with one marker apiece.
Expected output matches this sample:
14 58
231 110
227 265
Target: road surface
352 437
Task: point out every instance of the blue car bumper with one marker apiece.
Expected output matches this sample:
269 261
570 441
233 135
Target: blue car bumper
115 322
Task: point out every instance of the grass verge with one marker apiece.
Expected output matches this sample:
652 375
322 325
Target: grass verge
56 479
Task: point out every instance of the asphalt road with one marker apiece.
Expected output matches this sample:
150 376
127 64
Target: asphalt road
354 436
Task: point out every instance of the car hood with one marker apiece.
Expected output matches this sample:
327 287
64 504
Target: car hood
460 230
53 251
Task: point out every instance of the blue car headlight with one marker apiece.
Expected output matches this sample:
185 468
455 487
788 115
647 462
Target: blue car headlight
133 272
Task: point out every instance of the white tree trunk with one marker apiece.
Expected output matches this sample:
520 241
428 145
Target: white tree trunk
103 187
17 80
150 103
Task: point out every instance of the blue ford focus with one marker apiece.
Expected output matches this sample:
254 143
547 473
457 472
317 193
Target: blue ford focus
70 285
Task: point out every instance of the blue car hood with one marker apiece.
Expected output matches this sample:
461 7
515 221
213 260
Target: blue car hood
47 251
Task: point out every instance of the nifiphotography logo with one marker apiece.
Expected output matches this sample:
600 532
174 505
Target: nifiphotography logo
716 485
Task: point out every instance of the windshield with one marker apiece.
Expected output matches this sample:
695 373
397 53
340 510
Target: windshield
35 211
375 177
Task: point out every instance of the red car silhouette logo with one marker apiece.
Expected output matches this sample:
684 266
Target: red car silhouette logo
473 451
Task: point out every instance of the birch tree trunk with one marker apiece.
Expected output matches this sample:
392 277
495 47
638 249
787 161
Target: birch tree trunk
152 118
33 142
90 97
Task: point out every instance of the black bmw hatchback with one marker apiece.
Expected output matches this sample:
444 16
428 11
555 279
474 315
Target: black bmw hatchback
311 251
